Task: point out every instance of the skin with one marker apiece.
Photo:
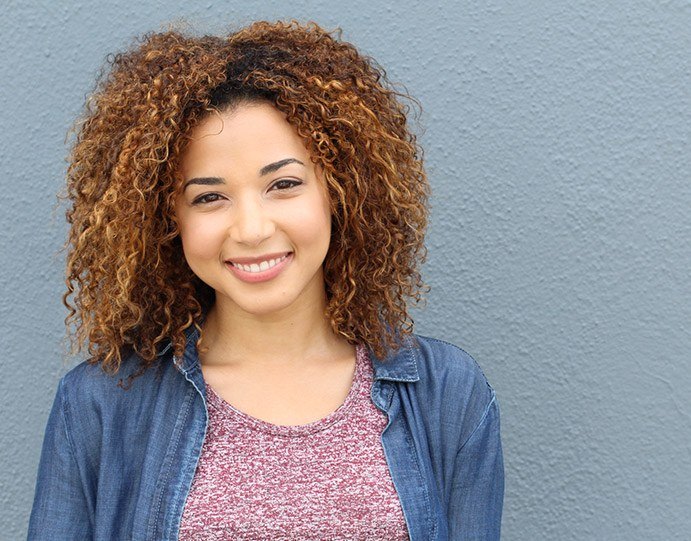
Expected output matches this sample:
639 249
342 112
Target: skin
250 190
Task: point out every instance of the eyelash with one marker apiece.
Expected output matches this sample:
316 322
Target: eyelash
291 183
204 198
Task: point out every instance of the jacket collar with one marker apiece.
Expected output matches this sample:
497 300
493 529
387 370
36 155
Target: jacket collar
399 365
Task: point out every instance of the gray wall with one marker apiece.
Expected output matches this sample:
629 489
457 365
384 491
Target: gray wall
557 143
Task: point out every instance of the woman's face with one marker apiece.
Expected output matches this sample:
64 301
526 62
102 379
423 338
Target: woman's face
254 212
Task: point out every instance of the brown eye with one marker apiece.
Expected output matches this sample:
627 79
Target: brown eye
206 198
285 184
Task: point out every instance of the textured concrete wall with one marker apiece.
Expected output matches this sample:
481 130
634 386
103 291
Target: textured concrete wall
557 143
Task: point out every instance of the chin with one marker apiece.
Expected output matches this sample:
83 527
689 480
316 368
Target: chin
259 308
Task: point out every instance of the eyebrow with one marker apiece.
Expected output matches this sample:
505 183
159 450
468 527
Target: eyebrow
277 165
270 168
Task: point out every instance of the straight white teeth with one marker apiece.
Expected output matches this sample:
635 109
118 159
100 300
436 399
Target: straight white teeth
259 267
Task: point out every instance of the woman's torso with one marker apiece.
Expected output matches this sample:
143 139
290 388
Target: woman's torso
326 478
126 458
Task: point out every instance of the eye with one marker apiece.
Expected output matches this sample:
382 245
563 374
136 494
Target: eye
206 198
285 184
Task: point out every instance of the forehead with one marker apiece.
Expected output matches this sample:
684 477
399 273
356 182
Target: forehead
247 136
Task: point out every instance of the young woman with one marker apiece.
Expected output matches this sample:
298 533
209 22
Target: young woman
247 227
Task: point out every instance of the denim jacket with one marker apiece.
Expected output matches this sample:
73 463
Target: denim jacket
118 464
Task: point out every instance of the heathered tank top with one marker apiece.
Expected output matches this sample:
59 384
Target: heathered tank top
324 480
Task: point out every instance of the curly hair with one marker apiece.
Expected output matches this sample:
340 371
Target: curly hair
129 288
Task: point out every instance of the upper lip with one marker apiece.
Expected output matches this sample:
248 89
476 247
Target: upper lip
256 260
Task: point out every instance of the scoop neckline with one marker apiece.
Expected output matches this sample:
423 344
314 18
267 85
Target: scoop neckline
226 408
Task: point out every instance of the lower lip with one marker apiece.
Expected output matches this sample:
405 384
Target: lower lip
261 276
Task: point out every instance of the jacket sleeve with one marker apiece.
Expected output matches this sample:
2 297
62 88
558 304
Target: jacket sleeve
60 509
477 492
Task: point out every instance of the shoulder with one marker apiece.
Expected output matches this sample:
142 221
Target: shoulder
440 360
88 386
452 380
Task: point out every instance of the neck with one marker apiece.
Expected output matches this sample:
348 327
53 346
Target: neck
294 338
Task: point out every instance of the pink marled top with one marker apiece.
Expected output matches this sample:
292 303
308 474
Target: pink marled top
324 480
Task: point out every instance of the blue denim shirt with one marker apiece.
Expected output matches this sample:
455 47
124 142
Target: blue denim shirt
118 464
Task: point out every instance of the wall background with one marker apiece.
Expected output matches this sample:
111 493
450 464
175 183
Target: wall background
557 144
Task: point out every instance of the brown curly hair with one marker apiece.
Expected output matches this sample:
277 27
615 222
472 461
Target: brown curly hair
129 288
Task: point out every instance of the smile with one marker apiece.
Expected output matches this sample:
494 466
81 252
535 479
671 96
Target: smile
259 267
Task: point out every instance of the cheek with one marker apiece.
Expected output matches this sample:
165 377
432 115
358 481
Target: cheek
201 239
313 225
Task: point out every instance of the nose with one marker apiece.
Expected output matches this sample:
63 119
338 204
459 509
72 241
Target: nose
251 223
